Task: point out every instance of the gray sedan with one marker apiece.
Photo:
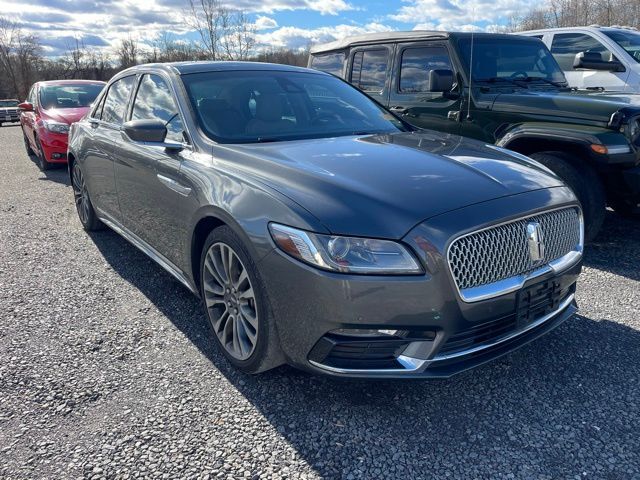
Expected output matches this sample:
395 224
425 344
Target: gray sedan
319 229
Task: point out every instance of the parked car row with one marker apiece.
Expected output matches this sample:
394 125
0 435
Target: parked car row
352 231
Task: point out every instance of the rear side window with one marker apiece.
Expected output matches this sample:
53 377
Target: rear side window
369 70
416 65
330 63
154 101
115 104
566 46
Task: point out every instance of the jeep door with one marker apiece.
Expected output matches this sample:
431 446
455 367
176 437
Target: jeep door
410 92
369 69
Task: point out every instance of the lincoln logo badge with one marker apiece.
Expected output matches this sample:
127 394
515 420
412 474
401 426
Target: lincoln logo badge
535 240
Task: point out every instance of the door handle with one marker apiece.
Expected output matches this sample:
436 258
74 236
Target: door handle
399 110
173 185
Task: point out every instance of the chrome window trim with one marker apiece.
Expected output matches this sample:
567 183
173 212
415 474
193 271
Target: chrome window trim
512 284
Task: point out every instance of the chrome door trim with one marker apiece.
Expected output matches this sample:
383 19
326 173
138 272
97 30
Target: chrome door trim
148 250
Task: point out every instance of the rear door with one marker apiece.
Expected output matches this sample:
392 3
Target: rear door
103 128
152 191
369 69
410 95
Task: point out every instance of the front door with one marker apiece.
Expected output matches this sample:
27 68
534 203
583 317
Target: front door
152 190
410 95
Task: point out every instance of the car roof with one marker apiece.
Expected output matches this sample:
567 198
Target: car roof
184 68
591 28
70 82
393 37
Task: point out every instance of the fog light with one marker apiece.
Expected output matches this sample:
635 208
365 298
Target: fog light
362 332
57 156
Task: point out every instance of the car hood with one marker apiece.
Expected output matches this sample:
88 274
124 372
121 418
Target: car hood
581 104
383 185
65 115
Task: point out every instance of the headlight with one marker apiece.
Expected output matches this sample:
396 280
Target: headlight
56 127
346 254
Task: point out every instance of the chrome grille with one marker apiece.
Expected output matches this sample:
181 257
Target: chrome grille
502 252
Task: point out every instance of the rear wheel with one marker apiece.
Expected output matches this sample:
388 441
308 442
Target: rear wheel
586 185
236 303
84 207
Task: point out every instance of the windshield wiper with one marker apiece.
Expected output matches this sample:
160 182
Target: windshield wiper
542 79
501 79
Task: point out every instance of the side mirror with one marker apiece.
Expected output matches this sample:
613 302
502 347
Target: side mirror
149 132
26 106
440 80
594 61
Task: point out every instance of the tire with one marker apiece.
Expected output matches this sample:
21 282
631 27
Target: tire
87 215
27 146
42 161
586 185
236 305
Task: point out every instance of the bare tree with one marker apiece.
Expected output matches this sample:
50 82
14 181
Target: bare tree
239 36
127 52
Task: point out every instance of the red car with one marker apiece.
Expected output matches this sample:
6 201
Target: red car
49 110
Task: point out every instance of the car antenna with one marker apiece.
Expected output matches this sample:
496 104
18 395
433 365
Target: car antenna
470 73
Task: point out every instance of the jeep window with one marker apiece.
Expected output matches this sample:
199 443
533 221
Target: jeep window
330 63
369 70
154 101
510 59
630 41
417 63
566 46
69 96
272 106
115 104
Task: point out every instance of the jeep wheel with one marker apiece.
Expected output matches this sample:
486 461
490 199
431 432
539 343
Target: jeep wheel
585 184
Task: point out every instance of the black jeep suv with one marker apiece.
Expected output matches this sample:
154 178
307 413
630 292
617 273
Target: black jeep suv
505 90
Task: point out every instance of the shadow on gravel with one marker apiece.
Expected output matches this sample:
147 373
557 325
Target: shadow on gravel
565 405
57 172
617 248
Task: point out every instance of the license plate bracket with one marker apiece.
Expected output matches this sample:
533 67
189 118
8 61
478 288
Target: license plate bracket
536 301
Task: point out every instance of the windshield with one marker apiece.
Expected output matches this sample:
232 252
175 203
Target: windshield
630 41
69 96
268 106
509 59
8 103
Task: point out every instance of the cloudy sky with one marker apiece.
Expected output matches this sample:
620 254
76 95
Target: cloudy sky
280 23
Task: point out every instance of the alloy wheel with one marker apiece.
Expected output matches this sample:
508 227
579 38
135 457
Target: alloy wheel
230 301
80 194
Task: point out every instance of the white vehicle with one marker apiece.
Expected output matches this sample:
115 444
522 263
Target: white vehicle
596 57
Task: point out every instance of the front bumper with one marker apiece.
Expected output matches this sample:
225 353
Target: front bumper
54 145
431 319
9 118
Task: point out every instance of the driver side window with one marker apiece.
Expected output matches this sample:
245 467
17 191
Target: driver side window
154 101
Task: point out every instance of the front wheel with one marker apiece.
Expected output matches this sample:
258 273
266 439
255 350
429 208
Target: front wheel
41 159
586 185
84 207
27 145
236 303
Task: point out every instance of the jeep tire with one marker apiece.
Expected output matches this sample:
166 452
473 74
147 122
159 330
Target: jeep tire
584 182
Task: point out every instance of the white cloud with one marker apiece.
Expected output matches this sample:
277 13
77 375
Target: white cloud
299 38
459 14
265 23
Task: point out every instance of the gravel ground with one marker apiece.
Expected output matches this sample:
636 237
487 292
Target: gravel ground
107 370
